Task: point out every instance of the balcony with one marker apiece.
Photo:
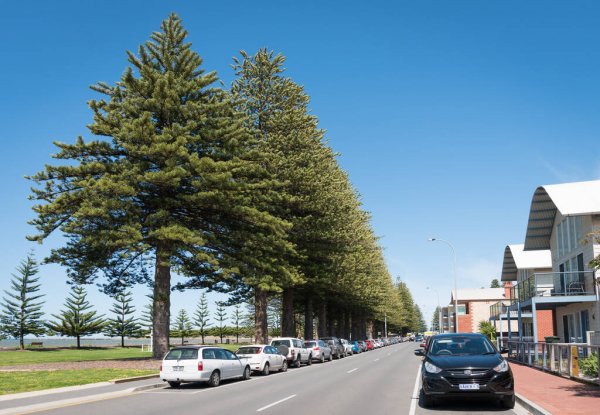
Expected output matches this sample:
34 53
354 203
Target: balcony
497 310
556 287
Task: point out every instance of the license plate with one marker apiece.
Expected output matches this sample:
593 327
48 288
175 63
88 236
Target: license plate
177 368
468 387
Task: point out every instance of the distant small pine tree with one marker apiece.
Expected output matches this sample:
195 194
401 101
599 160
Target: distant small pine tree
21 314
495 283
201 316
182 326
221 317
124 324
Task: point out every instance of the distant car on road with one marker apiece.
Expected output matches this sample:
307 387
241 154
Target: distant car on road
464 365
202 364
262 358
337 348
293 349
320 350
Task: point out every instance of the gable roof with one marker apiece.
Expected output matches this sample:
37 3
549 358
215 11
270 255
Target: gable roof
474 294
516 258
570 199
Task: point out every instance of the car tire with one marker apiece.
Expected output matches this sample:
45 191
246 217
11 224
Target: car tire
297 362
215 379
426 400
265 371
246 374
508 402
174 384
322 358
283 366
309 360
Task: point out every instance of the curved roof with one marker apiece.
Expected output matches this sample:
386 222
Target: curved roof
473 294
516 258
570 199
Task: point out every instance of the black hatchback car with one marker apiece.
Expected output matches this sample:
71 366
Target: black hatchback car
464 365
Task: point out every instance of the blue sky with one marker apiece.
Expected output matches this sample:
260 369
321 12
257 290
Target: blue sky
447 115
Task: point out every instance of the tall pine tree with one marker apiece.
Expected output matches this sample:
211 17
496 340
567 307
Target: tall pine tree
221 318
182 326
21 313
77 319
169 178
202 316
124 324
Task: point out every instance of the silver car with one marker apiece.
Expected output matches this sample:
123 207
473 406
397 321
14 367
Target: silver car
262 358
320 350
202 364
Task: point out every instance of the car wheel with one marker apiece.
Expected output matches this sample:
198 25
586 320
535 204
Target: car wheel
297 363
426 400
215 379
508 402
283 366
174 384
330 357
309 360
322 357
265 370
246 374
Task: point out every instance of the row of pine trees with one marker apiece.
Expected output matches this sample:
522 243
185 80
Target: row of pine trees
234 188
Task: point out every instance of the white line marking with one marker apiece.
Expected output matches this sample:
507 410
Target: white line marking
376 360
275 403
415 395
350 371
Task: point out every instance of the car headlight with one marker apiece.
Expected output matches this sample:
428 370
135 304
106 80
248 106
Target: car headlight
431 368
502 367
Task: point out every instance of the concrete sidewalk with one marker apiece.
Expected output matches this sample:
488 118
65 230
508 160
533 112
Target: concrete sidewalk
554 394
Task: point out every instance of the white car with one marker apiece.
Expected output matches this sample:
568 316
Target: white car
202 364
347 347
262 358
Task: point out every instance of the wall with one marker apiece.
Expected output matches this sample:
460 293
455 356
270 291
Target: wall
545 324
465 324
575 308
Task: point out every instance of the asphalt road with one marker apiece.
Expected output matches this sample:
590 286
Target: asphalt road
380 382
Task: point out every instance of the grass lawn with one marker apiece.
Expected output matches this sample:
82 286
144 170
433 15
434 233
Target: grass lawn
14 382
29 356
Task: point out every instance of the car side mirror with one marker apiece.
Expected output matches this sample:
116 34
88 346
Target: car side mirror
419 352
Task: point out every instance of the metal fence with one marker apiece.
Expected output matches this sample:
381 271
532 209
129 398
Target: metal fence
576 360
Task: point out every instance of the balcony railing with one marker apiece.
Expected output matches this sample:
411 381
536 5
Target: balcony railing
498 309
555 284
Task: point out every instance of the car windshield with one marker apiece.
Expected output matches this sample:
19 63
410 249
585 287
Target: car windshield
249 350
460 346
280 343
182 354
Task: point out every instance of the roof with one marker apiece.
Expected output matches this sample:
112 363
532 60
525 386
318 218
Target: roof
570 199
479 294
516 258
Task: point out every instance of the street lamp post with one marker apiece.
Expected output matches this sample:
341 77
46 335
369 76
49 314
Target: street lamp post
455 290
440 328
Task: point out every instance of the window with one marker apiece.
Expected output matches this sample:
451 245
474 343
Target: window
182 354
462 309
208 354
281 343
569 233
229 355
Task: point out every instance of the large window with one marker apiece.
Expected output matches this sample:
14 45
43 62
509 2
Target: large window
569 234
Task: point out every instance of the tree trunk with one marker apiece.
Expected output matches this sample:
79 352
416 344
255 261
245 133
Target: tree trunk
323 319
260 317
78 342
162 303
288 328
202 335
308 318
21 343
122 341
347 334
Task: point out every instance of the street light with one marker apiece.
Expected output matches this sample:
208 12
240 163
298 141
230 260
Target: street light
440 327
455 290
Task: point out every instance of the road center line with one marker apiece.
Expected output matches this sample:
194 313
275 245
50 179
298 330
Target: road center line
415 395
275 403
350 371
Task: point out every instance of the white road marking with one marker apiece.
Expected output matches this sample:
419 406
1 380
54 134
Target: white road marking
415 395
350 371
376 360
275 403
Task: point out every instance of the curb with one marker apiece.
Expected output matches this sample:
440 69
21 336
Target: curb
133 379
147 387
532 407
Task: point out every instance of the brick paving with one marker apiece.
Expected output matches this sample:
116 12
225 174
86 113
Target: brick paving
557 395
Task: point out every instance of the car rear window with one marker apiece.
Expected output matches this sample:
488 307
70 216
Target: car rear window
249 350
310 344
280 343
182 354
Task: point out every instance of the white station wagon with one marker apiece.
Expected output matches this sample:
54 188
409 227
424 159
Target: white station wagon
202 364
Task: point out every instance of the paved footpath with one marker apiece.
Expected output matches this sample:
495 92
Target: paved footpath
555 394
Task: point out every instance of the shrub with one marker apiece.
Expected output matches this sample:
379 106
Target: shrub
589 365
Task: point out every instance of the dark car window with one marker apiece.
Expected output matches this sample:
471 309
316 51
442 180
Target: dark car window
250 350
310 344
461 346
208 354
229 355
182 354
276 343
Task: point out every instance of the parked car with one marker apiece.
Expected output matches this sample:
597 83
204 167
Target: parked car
370 345
347 347
293 349
356 347
202 364
262 358
337 348
363 345
320 350
464 365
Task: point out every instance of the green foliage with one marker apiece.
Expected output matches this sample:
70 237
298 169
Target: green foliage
202 316
147 317
495 283
221 318
487 328
435 319
28 357
20 314
589 365
237 318
75 320
182 326
124 323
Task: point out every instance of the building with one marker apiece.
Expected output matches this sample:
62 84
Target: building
519 265
561 219
473 307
